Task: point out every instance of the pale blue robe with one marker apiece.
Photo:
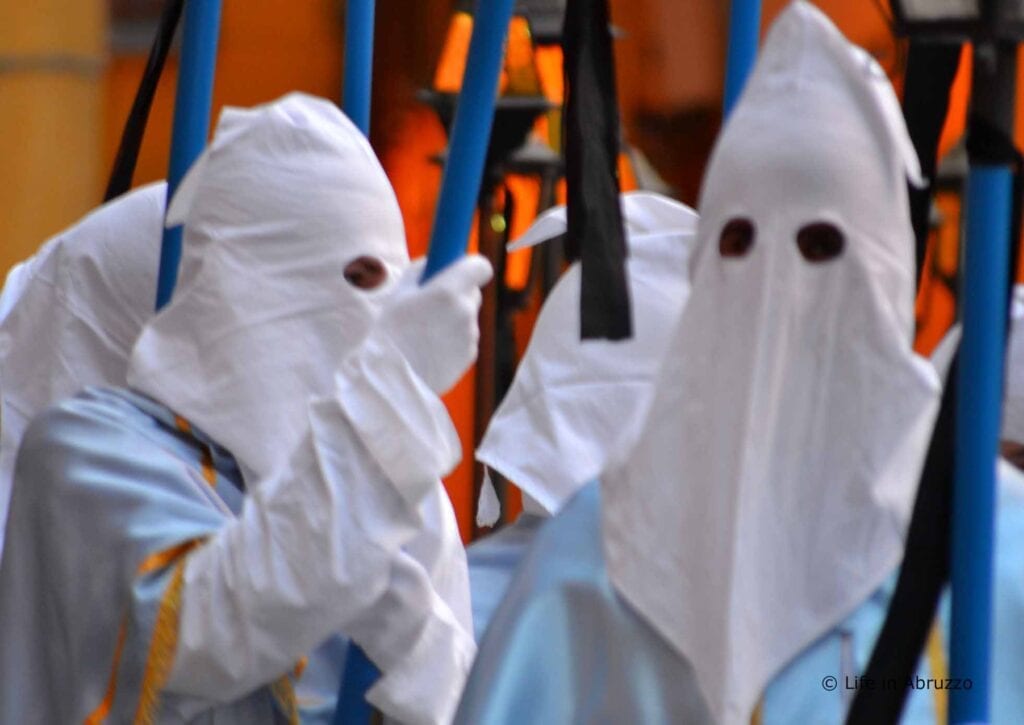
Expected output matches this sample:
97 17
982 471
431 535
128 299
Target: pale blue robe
563 647
103 482
493 561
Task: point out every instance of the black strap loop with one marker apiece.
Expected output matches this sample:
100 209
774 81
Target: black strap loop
595 230
135 126
931 69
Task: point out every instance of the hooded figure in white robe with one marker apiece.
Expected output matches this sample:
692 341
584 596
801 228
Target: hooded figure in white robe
573 404
72 311
272 478
768 495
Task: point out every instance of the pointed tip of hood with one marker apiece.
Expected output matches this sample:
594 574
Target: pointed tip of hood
803 44
297 161
805 52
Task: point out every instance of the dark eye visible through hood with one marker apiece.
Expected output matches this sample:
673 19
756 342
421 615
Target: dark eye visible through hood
737 237
820 242
366 273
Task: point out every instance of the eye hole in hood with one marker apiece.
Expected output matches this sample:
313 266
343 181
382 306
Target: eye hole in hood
737 237
820 241
366 272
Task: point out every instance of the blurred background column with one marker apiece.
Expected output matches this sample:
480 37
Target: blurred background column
52 56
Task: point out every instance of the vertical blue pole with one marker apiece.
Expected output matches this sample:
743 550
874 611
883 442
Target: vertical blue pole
744 31
191 120
358 676
470 137
989 210
979 402
357 92
358 86
460 185
360 673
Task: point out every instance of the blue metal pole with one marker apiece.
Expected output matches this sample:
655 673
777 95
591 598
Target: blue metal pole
979 402
191 120
470 137
989 201
358 63
744 31
360 673
460 185
359 676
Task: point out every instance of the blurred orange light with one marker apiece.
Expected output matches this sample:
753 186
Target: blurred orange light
519 76
452 66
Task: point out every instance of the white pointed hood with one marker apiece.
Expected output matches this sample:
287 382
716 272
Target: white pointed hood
74 311
771 488
574 404
1013 406
284 198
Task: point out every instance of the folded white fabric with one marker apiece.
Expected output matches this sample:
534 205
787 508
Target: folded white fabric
575 404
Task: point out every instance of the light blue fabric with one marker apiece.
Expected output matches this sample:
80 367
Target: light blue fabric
791 696
563 647
103 481
1008 644
493 561
802 693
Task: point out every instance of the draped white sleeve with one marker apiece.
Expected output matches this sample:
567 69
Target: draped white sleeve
318 548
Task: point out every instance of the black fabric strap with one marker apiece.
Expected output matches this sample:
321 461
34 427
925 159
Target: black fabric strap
135 126
595 232
1016 228
986 144
931 68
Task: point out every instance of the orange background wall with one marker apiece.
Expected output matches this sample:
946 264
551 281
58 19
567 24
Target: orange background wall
51 115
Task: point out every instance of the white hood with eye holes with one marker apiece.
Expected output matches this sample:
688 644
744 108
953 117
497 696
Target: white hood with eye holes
284 198
770 491
574 404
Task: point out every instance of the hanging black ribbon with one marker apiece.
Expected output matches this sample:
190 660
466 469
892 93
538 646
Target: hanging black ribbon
134 128
591 130
923 574
931 68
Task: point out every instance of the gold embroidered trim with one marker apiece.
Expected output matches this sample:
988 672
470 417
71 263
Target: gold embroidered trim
183 425
284 693
209 472
162 559
161 649
153 562
205 458
937 664
756 717
97 716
